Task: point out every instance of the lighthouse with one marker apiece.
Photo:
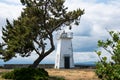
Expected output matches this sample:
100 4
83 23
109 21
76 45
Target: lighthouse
64 53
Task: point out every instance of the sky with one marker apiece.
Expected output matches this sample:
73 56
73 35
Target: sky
100 17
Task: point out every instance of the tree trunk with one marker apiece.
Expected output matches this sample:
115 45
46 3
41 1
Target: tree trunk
43 54
36 62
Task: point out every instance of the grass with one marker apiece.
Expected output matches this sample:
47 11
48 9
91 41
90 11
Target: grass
66 74
74 74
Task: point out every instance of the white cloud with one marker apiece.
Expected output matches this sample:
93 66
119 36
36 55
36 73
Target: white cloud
97 13
11 2
99 16
85 57
78 57
83 44
9 11
29 60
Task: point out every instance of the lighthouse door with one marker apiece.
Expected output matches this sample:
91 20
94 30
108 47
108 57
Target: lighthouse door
67 62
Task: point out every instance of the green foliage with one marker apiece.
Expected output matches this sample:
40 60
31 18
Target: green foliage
27 74
30 74
38 20
109 70
8 75
56 78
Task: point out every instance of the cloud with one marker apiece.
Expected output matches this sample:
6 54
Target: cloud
10 11
50 59
97 13
11 2
100 16
78 57
84 44
85 57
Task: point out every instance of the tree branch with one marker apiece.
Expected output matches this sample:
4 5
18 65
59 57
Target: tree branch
52 46
37 51
42 48
58 25
108 51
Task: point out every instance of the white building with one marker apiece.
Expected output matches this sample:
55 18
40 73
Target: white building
64 53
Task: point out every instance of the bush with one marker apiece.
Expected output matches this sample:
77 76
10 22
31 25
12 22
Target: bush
56 78
109 70
27 74
8 75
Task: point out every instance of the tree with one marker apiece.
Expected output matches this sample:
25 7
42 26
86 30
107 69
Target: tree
38 20
109 70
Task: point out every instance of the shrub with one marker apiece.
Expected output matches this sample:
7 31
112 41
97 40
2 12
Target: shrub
56 78
109 70
8 75
27 74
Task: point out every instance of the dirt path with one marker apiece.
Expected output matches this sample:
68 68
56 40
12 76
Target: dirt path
74 74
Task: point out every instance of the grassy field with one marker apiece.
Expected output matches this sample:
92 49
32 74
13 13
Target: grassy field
74 74
67 74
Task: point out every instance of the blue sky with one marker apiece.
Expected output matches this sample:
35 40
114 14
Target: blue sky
100 16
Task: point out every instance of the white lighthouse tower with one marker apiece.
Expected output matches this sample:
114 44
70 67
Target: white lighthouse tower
64 53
